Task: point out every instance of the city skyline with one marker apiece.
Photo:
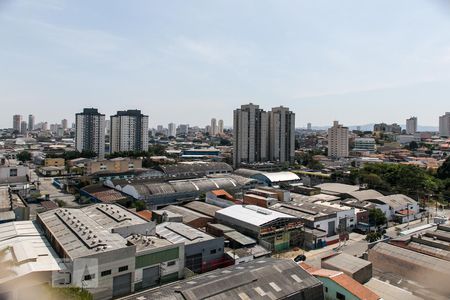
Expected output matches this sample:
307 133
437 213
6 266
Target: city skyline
326 61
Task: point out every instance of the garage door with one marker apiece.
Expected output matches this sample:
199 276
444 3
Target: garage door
150 277
122 285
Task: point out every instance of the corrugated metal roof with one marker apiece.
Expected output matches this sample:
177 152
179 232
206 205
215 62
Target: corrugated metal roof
260 279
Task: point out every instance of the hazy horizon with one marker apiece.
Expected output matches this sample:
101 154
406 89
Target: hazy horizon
187 62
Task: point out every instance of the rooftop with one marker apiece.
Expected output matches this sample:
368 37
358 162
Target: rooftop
27 249
87 231
347 263
337 188
188 214
179 232
253 214
413 257
366 195
260 279
202 207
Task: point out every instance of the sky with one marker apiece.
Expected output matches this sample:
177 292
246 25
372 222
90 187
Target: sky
356 61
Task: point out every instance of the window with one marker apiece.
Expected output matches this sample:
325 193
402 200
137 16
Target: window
339 296
89 277
12 172
213 251
326 290
105 273
124 268
171 263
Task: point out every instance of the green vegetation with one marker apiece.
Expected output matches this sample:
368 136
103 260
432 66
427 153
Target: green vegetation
377 217
69 155
444 171
397 178
307 159
138 204
24 156
373 236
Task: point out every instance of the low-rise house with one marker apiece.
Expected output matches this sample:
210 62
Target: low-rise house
274 230
338 285
401 207
357 268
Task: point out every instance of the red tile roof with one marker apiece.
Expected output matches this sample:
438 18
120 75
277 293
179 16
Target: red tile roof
355 287
146 214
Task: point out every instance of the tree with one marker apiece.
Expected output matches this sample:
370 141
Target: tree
373 236
377 217
413 145
24 156
444 171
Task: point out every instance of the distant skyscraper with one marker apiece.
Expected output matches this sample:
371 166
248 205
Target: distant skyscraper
159 129
17 120
54 127
337 141
308 126
250 132
23 127
64 124
172 129
411 125
444 125
90 131
44 126
129 131
183 129
214 130
220 127
281 135
31 121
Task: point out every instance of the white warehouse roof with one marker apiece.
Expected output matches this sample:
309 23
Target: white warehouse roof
280 176
253 214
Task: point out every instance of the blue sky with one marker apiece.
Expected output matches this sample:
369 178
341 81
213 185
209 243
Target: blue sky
188 61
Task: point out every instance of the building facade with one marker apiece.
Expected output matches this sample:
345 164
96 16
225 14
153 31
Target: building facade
282 135
220 126
90 131
250 131
337 141
411 125
172 129
129 131
31 121
444 125
17 120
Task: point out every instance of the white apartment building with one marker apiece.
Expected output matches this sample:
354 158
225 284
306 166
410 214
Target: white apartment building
337 141
213 128
17 120
129 131
172 129
220 126
282 134
90 131
411 125
31 121
251 132
444 125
